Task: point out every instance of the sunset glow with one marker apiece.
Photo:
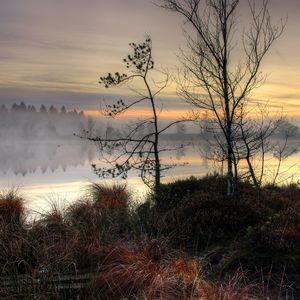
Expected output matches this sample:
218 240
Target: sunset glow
54 52
150 149
62 47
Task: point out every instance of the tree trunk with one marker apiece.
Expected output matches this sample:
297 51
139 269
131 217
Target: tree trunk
157 170
230 178
230 181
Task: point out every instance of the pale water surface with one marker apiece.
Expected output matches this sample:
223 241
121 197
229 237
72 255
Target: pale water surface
60 169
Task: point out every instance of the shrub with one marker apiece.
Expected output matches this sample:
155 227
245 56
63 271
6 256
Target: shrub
172 194
103 213
11 208
109 197
215 219
51 244
275 241
83 215
232 289
16 253
138 272
101 234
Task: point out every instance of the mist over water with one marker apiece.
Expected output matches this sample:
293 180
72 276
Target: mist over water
40 155
56 165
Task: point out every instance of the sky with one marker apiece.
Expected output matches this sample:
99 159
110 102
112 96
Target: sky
54 51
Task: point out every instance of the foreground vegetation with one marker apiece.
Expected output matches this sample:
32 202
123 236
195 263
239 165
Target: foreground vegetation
191 242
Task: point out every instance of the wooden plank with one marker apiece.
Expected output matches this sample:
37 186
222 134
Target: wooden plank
60 282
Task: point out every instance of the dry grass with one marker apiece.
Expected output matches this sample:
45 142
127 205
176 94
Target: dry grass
99 234
141 271
11 207
109 197
83 214
233 288
104 213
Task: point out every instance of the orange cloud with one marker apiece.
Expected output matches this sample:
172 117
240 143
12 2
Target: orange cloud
145 113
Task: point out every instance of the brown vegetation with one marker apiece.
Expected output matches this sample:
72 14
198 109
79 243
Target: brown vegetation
186 244
11 208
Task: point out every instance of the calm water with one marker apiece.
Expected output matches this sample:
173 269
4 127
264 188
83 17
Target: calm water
60 170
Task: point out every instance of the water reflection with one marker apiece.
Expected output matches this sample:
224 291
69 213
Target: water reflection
39 153
27 157
60 167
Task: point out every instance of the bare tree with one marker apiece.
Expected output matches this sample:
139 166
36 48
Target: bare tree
137 147
216 77
254 140
263 141
283 148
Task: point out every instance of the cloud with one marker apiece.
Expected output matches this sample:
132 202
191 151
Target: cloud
60 47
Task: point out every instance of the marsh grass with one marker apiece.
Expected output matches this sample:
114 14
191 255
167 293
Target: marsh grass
188 247
12 209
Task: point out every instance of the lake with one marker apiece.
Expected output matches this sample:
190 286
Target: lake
61 170
45 162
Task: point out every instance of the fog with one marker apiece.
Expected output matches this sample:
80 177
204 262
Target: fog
47 140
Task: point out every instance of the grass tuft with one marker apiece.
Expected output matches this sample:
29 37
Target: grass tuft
109 197
11 208
166 248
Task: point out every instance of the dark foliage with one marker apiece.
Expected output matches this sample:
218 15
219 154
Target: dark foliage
145 252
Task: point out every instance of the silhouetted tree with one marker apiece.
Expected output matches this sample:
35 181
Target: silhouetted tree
134 149
31 108
27 123
15 107
215 79
52 110
90 125
74 112
3 108
43 109
22 106
63 110
258 137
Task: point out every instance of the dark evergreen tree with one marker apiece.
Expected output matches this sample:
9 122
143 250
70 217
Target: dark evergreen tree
63 110
52 110
22 106
3 108
43 109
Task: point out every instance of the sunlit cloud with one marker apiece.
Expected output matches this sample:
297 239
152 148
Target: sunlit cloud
58 48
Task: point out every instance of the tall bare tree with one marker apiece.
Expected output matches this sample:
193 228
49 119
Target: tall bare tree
221 65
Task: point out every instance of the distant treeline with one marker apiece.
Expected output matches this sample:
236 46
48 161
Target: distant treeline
22 107
23 121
